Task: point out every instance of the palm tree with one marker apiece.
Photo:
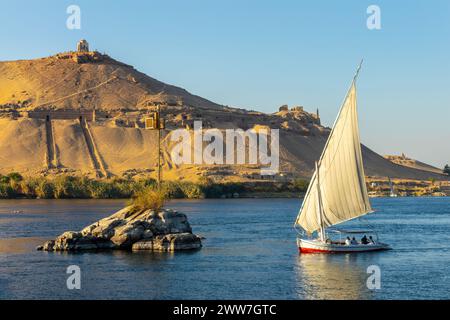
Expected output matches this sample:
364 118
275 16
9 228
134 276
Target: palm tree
447 169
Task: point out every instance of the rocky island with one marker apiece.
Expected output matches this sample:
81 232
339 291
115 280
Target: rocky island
131 229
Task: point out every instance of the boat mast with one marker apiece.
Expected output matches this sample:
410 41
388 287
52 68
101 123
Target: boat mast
319 200
391 186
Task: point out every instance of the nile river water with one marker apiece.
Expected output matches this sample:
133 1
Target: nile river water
249 253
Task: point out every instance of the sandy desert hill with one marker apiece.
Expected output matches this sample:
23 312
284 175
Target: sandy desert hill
412 163
42 101
60 82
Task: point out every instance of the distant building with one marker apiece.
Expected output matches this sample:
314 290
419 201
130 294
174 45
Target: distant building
297 108
152 121
83 46
284 107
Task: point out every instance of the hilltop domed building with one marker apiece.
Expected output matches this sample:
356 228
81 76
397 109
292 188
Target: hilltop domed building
83 46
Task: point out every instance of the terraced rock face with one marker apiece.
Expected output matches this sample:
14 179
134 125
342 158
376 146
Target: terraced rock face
114 145
133 152
167 230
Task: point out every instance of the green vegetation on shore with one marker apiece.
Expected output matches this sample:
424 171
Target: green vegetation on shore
446 170
13 186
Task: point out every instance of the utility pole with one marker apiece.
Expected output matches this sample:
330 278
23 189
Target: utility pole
155 122
158 124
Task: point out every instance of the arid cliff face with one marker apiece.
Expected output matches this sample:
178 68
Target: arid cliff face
85 114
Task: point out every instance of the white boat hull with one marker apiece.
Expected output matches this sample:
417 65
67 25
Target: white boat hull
317 246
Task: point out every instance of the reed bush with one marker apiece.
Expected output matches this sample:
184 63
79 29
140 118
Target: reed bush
65 186
191 190
6 191
148 198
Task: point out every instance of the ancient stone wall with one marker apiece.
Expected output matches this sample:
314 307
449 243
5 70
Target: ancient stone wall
88 115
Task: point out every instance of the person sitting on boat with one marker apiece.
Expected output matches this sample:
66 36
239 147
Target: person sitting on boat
354 241
371 241
364 240
348 241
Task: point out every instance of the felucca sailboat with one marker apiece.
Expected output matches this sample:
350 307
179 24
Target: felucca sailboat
392 193
337 191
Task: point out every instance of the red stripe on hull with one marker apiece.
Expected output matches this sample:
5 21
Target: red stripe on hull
309 250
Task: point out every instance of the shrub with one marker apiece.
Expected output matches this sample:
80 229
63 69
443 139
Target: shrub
148 198
69 187
6 191
44 189
4 179
300 185
213 190
65 186
27 187
108 189
447 170
138 185
16 186
191 190
15 176
172 190
98 189
122 188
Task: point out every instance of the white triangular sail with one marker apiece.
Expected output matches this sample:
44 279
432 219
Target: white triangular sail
343 191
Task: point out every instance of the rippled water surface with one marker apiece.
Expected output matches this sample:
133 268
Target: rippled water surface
249 253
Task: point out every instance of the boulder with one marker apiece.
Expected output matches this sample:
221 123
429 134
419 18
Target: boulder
167 230
170 242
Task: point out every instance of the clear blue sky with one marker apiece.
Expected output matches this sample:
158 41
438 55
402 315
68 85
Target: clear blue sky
261 54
